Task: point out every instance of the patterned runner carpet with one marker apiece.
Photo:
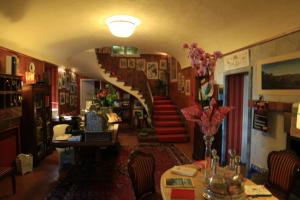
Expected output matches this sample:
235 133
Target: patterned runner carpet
109 180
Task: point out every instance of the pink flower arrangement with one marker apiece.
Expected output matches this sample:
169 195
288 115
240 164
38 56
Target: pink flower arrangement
203 62
208 119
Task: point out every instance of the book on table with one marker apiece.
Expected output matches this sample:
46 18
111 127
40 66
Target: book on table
179 182
186 194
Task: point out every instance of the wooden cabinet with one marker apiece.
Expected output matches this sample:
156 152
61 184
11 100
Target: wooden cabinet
10 117
36 124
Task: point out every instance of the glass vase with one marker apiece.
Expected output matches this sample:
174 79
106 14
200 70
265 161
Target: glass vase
208 139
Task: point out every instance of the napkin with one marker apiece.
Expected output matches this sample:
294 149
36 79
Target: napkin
185 171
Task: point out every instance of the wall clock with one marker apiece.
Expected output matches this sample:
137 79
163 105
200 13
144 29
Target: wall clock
32 67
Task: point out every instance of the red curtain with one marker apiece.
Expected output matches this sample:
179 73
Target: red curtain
235 90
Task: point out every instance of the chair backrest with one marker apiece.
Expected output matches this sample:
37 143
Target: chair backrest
283 166
141 169
59 130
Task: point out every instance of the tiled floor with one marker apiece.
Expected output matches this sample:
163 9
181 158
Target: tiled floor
35 185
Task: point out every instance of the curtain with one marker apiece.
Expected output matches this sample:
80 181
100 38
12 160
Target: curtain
235 90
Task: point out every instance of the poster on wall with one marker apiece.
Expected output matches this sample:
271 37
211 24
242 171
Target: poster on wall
260 118
131 63
140 65
163 64
152 70
173 70
237 60
123 63
62 98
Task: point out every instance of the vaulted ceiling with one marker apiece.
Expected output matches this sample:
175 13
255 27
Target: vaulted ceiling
65 31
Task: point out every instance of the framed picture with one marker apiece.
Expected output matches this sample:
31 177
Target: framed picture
152 70
279 75
72 89
123 63
131 63
187 87
73 77
173 70
163 64
62 98
140 65
67 98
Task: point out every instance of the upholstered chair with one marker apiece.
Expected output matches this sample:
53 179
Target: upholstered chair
283 168
65 155
141 169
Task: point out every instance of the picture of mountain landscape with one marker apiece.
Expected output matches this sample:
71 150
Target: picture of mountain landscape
281 75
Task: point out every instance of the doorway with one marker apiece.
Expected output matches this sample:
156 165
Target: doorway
237 131
87 92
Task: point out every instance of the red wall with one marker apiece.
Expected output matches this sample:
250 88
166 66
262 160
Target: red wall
180 98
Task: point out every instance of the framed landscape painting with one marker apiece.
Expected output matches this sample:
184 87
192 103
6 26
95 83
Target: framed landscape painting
279 75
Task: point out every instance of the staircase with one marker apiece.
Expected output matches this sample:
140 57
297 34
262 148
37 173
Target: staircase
167 122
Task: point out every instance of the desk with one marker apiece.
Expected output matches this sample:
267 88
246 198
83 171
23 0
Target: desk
197 181
113 129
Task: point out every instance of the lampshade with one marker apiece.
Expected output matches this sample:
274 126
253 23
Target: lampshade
122 25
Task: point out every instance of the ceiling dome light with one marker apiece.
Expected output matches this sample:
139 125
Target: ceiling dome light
122 25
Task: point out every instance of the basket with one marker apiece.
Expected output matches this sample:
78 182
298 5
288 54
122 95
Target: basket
24 163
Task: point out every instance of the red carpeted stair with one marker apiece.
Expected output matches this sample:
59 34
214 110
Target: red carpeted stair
167 121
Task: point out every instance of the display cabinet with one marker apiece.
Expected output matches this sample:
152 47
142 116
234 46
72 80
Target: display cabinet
36 130
10 117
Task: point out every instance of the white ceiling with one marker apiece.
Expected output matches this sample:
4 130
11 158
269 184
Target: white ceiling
60 31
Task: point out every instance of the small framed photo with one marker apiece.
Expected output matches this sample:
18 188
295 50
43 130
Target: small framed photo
123 63
73 77
152 70
131 63
73 89
140 65
187 87
62 98
163 64
173 70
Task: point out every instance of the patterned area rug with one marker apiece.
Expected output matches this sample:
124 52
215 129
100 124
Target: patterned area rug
109 180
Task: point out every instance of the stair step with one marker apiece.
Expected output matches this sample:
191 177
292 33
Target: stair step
177 123
160 98
162 102
165 112
173 138
167 106
166 117
169 130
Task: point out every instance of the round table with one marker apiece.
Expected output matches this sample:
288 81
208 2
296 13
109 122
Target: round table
197 182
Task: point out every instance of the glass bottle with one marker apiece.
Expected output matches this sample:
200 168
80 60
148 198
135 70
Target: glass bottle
236 185
217 184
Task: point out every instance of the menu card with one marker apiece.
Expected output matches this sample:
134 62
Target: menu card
257 190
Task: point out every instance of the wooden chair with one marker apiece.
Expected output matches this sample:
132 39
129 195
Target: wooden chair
141 169
283 167
9 171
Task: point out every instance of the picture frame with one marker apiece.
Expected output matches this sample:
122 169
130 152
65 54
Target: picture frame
163 64
187 87
131 63
71 100
123 63
140 64
173 70
279 75
62 98
179 81
152 70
